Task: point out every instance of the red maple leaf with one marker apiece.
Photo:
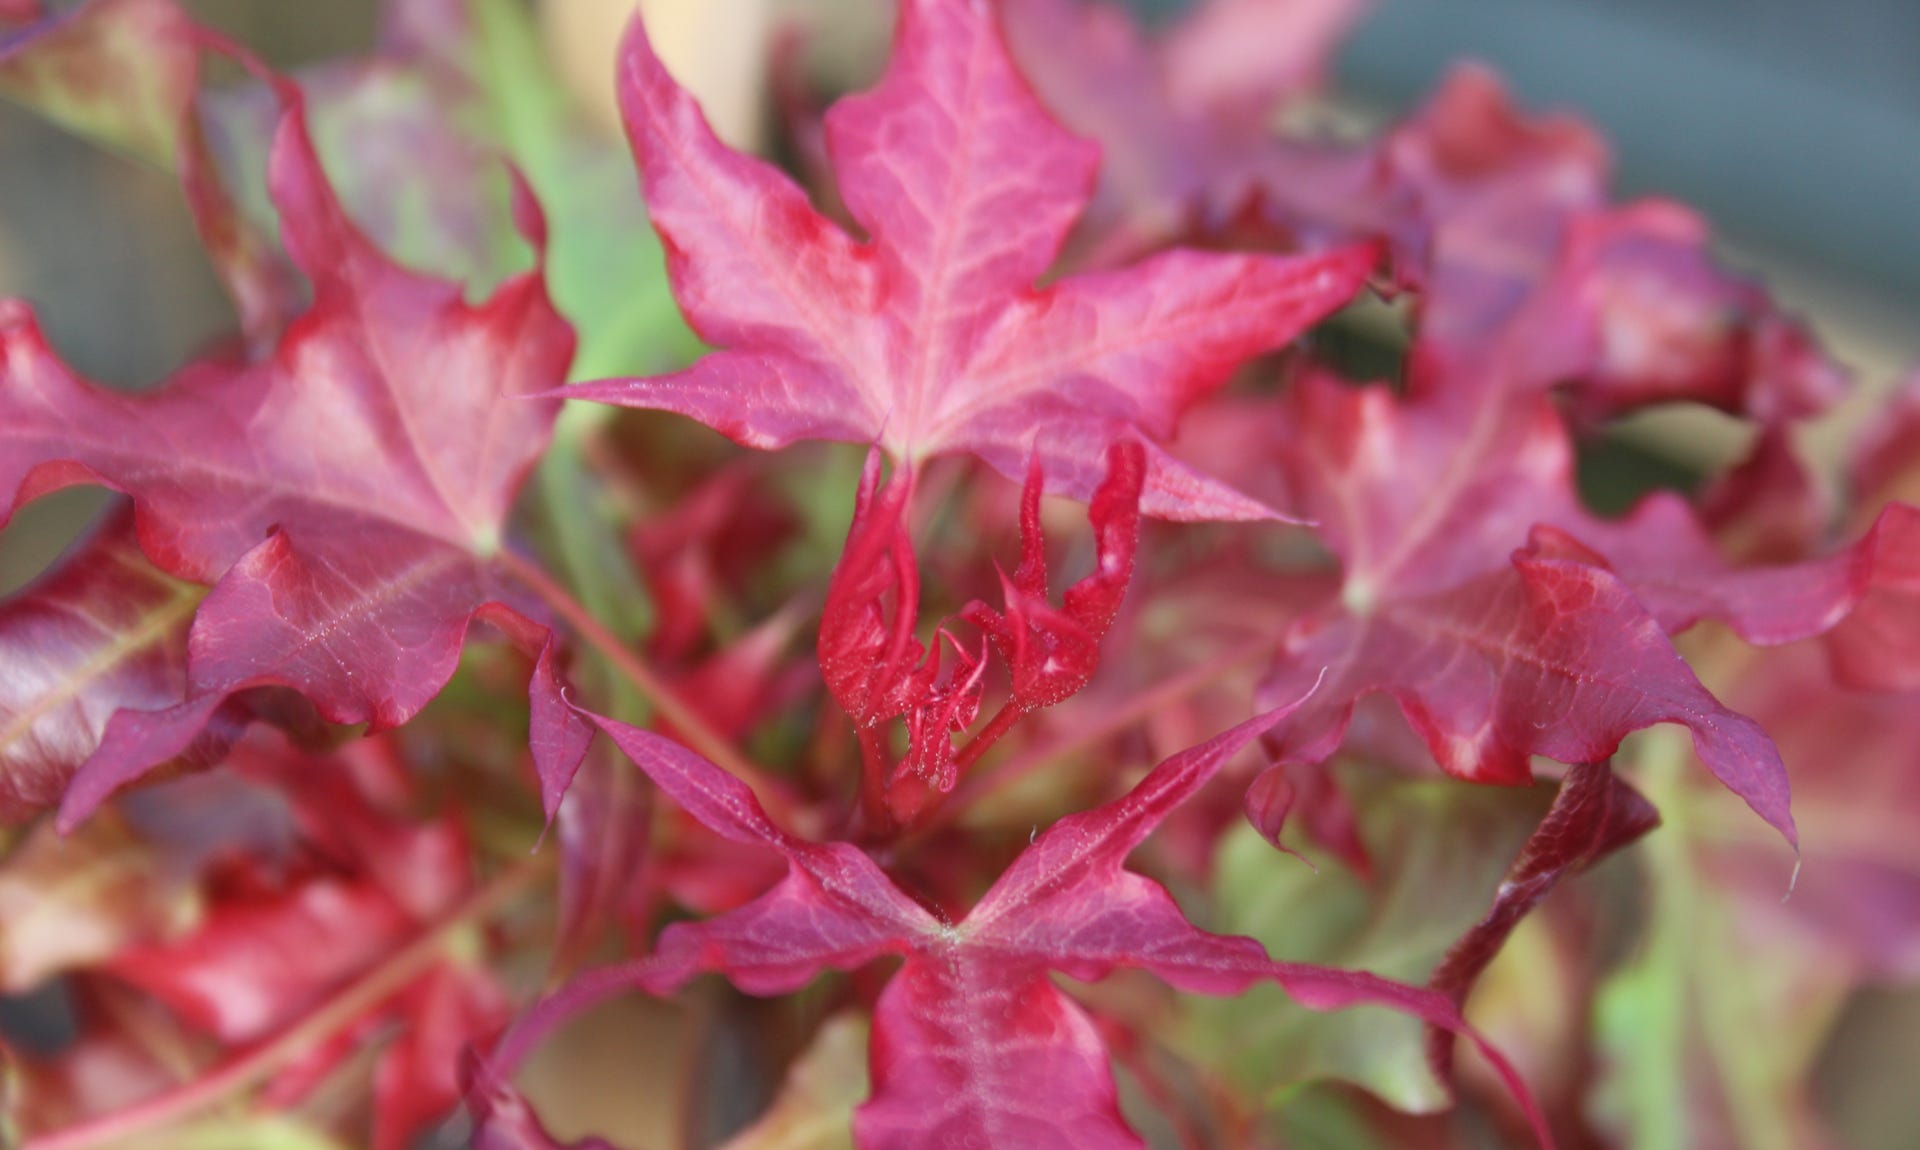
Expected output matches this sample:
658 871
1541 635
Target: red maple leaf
304 877
973 1043
346 497
1495 651
931 337
1622 305
102 630
1185 121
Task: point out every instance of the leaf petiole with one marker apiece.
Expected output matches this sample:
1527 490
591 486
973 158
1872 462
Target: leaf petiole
692 728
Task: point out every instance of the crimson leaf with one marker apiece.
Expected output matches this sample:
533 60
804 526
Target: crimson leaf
104 630
1492 655
973 1043
1621 303
1185 120
346 497
931 337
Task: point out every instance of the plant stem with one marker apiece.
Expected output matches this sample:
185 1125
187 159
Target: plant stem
1003 721
1000 776
876 820
667 702
332 1015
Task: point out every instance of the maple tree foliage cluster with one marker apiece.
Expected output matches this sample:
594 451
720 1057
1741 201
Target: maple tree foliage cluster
377 611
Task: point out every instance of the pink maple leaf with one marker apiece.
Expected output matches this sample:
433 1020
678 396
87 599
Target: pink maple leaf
1622 305
1493 654
1185 121
973 1043
930 336
346 496
104 629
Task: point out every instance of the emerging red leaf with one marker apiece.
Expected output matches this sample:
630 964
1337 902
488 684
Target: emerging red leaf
876 668
873 664
347 496
973 1043
1051 652
932 338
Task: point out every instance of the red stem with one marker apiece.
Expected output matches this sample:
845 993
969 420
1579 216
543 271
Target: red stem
877 821
1010 713
1116 719
334 1014
687 722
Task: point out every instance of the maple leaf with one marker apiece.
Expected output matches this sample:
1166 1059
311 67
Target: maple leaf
105 629
1493 651
242 900
932 337
972 1041
1659 321
1622 306
1185 122
1863 599
346 497
278 934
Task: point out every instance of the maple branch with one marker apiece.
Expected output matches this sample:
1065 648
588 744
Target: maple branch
688 724
329 1018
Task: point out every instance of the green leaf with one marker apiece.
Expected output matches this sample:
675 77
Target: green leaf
1701 1044
253 1132
1440 849
606 268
